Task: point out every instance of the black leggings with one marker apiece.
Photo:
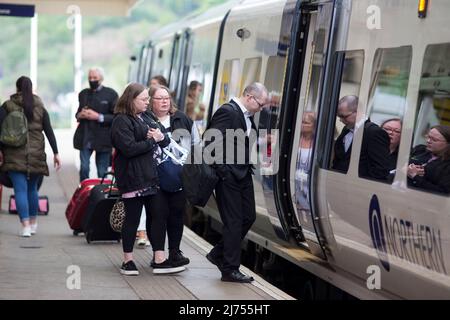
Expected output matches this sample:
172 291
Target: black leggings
174 205
156 222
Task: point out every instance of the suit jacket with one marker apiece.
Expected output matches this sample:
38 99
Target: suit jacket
341 159
234 154
374 159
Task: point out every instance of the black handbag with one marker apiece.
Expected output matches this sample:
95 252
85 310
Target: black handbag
199 178
169 170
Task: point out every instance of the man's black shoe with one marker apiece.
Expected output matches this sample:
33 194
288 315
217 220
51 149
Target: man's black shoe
214 261
236 276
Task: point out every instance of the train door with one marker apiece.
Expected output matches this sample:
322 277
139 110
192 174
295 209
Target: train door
148 64
183 68
314 25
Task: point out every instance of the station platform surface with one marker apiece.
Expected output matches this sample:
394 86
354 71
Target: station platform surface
45 265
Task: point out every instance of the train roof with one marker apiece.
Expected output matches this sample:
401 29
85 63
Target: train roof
195 20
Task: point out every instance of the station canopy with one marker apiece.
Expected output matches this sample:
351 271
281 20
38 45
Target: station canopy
85 7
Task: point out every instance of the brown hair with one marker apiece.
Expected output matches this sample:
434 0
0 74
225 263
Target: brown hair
125 104
445 132
161 80
152 91
24 86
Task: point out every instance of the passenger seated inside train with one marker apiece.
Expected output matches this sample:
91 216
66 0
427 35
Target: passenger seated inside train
373 161
393 127
429 166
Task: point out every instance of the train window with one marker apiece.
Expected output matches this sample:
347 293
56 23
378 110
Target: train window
429 167
267 119
252 71
352 68
229 85
386 108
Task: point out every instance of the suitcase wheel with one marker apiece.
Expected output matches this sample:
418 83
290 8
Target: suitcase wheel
88 237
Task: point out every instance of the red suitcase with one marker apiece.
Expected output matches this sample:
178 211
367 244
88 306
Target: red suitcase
77 207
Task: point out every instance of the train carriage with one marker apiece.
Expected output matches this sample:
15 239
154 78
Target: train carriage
340 227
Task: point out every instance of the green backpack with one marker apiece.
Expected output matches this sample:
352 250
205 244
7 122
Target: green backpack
14 129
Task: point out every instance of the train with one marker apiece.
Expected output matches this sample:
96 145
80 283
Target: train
345 235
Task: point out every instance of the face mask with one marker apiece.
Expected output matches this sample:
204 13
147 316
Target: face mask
94 84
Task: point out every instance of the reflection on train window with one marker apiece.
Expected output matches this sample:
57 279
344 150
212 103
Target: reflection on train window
229 85
429 167
353 63
251 72
148 62
386 108
161 63
267 119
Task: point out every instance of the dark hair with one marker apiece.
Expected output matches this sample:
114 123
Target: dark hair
24 86
193 85
445 132
161 80
152 91
125 104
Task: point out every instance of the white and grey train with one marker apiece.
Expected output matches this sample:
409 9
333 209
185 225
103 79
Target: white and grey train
369 238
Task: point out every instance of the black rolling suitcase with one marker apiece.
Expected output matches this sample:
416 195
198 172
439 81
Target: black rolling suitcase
96 223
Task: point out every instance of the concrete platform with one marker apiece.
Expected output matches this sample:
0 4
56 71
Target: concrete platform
54 264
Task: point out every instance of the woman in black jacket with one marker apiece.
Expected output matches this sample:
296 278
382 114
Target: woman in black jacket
136 138
173 203
430 164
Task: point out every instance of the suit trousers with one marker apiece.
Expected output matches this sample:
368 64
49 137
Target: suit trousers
236 202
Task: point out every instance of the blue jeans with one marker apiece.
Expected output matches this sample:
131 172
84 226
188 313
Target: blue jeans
25 192
102 161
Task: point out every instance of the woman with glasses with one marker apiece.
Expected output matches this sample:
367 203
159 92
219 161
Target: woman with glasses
393 127
430 163
171 203
136 138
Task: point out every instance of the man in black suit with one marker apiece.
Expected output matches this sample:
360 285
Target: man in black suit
374 158
234 191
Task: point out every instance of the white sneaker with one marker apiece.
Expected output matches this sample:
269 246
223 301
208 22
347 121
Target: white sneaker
33 228
26 232
141 243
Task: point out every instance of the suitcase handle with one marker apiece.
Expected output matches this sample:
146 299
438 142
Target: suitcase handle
111 186
110 173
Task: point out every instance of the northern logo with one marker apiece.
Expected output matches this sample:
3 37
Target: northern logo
377 233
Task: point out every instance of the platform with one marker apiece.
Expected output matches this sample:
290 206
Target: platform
41 267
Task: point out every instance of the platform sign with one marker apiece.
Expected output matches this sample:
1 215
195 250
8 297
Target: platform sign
16 10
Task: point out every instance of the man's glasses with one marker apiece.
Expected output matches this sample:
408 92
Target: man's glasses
259 103
161 98
343 117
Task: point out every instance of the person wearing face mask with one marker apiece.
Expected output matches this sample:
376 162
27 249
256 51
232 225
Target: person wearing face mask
95 115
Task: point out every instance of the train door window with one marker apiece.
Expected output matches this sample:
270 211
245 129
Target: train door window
429 168
229 85
267 119
148 64
386 108
352 63
251 73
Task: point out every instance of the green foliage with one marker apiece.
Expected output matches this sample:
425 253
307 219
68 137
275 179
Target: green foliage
107 41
